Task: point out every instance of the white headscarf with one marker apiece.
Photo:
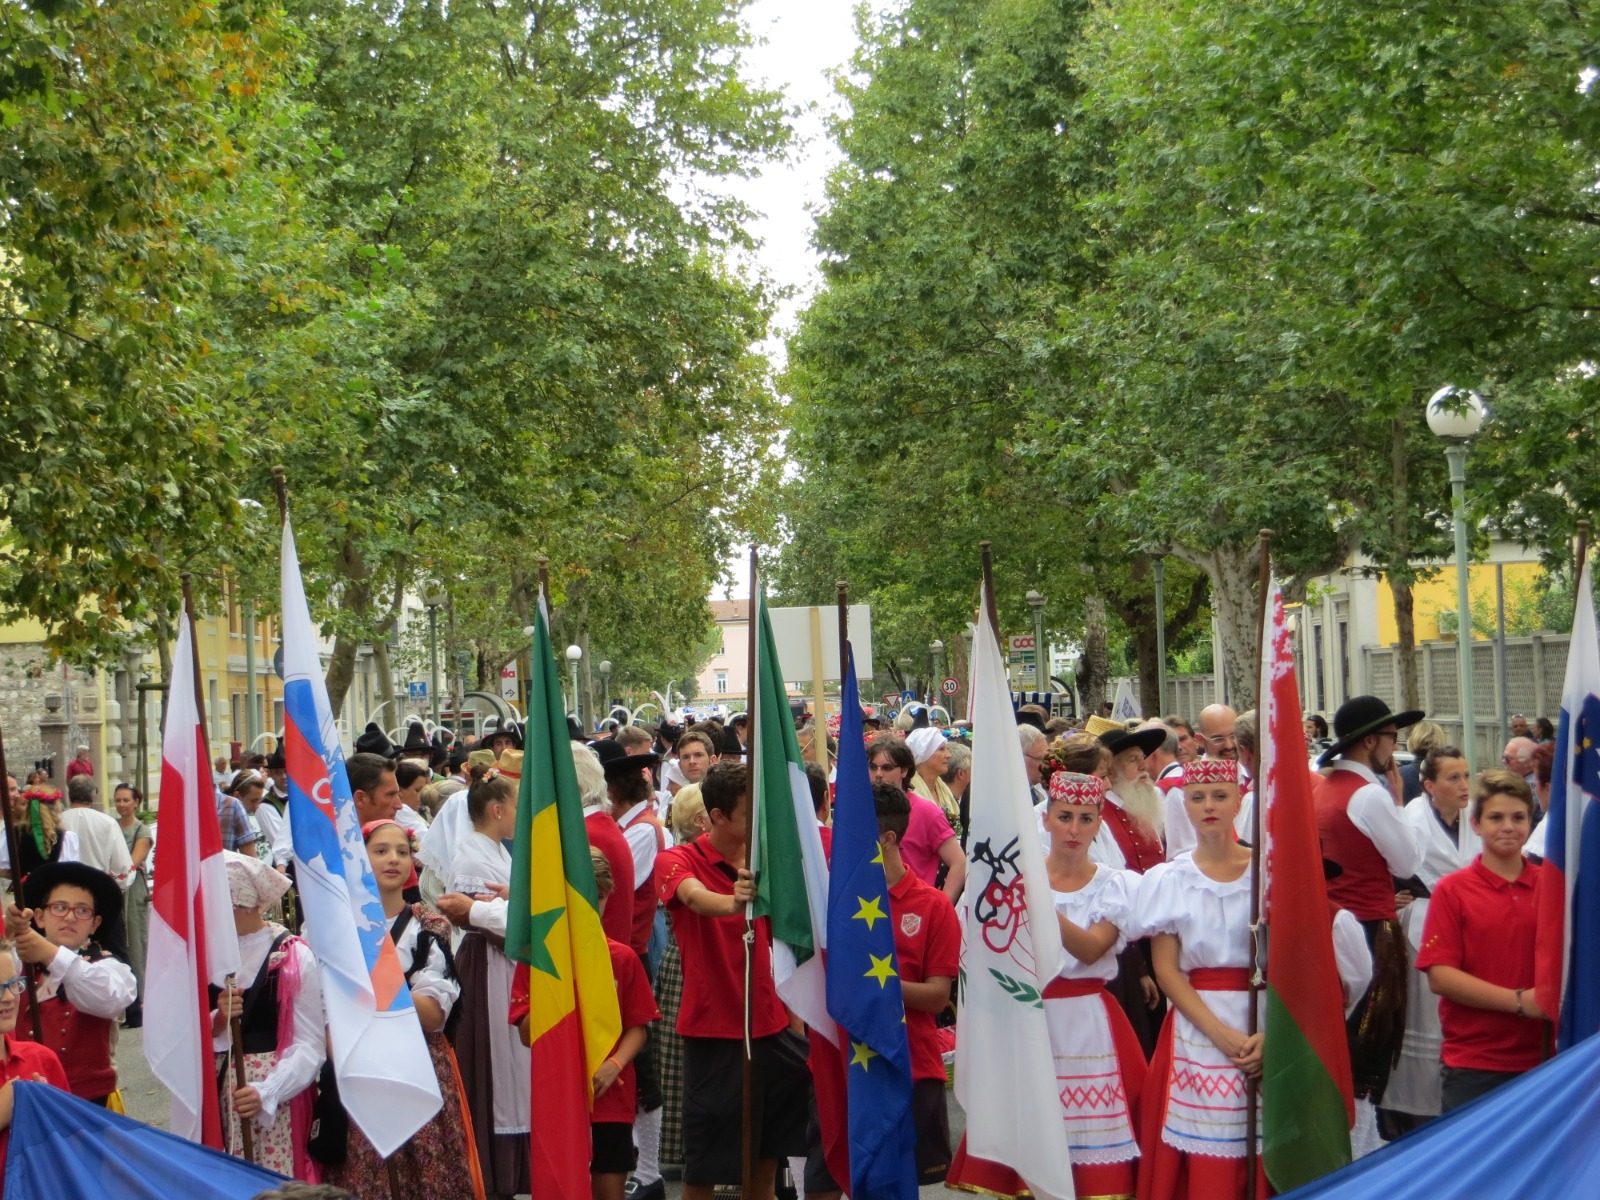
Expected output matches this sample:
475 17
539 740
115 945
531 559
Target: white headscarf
924 743
251 883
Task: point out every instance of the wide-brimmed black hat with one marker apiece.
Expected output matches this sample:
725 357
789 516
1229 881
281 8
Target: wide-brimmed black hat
375 741
1118 739
616 762
276 761
731 746
107 895
417 741
1359 716
509 729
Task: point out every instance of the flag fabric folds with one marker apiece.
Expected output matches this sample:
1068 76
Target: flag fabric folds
1567 966
1005 1068
192 944
785 845
553 925
1307 1100
870 1015
386 1077
64 1148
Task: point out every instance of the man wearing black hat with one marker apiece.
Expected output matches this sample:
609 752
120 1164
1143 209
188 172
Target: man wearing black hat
83 987
1364 831
375 741
417 744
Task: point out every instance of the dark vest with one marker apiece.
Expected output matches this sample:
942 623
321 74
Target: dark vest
1365 886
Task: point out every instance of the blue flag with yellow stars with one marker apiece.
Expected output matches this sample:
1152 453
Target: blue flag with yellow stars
864 981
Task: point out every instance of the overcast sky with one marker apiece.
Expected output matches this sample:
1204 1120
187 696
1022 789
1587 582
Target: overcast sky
801 43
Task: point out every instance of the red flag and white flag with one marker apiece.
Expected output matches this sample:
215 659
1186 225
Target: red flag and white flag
192 940
1005 1068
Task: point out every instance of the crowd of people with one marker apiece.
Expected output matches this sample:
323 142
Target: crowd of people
1145 828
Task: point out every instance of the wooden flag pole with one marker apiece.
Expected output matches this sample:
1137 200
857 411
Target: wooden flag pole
247 1137
986 551
1577 567
1252 1085
747 1124
30 971
844 637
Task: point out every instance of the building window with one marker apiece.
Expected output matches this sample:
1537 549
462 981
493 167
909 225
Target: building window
722 681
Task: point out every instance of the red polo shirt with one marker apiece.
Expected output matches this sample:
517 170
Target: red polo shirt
1484 925
31 1063
927 941
638 1007
713 951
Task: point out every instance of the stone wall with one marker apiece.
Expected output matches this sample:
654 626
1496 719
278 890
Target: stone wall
27 677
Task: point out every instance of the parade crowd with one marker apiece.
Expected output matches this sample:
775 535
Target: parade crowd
1145 828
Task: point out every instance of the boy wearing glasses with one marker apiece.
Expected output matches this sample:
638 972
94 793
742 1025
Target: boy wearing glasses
84 986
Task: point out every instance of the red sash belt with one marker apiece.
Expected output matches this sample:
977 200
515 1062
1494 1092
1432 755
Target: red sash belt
1064 989
1220 979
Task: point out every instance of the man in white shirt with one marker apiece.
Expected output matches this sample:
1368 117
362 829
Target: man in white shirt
100 841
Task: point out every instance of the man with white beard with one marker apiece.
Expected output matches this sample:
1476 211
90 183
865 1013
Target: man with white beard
1134 812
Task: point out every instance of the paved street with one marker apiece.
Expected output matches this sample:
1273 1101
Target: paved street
147 1100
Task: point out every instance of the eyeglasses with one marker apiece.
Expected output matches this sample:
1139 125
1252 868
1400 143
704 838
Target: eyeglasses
14 986
61 909
1217 739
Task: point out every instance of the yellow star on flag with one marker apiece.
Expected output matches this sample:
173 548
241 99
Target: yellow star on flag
878 857
881 970
860 1052
871 911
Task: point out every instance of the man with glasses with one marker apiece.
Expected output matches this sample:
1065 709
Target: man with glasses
1365 833
1034 748
72 931
1216 732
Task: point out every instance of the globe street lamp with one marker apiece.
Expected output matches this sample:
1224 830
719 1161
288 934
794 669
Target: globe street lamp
574 653
1454 415
1041 669
433 596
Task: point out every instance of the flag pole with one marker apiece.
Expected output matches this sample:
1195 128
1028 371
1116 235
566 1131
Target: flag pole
844 635
1577 565
747 1130
235 1023
1252 1085
30 971
988 588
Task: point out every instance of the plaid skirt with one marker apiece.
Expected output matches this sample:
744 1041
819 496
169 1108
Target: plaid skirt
668 1048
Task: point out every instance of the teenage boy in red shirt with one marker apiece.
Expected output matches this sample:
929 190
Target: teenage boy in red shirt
706 887
1477 948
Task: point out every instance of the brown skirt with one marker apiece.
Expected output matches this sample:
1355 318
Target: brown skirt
502 1158
430 1165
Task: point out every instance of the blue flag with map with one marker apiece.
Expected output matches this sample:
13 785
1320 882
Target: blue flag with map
863 979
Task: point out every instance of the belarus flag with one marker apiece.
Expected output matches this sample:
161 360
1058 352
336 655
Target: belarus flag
192 939
1567 970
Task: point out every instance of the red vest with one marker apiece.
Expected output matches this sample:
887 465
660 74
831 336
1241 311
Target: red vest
644 896
1365 887
82 1042
1139 849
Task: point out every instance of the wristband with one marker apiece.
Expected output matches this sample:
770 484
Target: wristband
615 1064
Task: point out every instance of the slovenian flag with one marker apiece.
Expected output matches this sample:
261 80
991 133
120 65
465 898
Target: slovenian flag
193 945
1308 1104
386 1076
864 981
1567 967
785 843
553 925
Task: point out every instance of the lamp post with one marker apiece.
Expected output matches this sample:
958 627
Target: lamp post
905 674
935 649
433 596
1161 635
605 684
527 684
574 653
1041 669
1454 415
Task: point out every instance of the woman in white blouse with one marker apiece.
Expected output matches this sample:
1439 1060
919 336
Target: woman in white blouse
282 1024
1100 1067
440 1161
1438 821
1197 908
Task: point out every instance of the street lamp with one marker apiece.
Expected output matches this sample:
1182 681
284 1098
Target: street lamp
935 649
527 695
1041 669
574 653
605 683
1455 414
433 596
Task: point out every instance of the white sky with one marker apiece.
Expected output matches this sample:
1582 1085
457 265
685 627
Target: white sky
801 41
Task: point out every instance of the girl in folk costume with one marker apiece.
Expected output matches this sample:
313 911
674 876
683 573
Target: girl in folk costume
1197 909
1438 818
41 838
495 1065
440 1162
1100 1067
282 1024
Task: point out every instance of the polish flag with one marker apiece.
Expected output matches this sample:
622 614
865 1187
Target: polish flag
192 940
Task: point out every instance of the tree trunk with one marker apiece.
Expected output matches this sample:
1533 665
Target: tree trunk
1094 676
385 674
1400 572
1232 568
1144 649
341 672
1405 623
956 648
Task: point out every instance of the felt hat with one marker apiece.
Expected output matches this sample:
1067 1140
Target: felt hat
480 758
509 729
417 740
1029 717
1117 737
617 762
107 895
730 746
375 741
1360 716
276 761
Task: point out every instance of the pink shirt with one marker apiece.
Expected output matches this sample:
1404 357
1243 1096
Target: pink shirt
925 833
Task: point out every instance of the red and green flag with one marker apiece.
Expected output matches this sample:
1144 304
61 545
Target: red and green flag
1307 1101
553 926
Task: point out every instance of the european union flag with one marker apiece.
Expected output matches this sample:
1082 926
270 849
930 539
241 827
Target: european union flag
864 981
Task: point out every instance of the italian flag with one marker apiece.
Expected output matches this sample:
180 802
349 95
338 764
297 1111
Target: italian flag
553 926
785 846
1308 1105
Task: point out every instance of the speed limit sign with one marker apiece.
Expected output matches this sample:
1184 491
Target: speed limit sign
949 687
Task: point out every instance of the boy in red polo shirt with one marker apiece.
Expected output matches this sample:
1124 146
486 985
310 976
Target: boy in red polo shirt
1477 948
706 887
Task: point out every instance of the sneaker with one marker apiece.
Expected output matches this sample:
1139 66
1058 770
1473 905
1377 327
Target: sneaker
634 1190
